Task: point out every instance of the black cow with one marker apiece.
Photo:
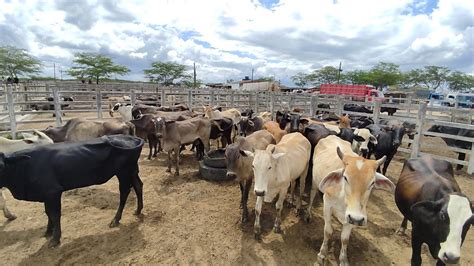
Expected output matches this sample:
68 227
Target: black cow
356 108
248 113
325 106
428 195
388 141
249 125
360 121
389 110
455 143
43 173
282 118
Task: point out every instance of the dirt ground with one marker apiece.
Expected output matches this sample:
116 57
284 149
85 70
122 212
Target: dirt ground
188 220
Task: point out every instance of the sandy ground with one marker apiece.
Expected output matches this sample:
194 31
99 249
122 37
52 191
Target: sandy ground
188 220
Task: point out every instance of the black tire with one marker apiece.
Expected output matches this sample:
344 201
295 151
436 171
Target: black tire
215 159
213 174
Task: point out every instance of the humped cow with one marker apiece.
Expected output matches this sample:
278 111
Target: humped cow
346 179
428 195
42 174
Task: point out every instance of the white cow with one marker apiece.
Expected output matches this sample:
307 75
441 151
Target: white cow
346 179
362 147
275 169
124 110
9 146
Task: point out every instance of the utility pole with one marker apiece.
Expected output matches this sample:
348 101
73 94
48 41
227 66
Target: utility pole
54 70
339 73
194 67
252 73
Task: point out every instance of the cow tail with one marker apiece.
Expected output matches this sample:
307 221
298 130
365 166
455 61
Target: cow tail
131 128
217 125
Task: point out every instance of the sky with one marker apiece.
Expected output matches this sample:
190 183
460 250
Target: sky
227 39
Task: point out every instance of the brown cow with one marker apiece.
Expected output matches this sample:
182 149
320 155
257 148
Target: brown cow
428 195
145 128
176 133
275 130
80 129
240 166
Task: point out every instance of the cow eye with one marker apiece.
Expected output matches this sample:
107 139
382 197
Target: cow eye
442 215
345 178
372 184
269 167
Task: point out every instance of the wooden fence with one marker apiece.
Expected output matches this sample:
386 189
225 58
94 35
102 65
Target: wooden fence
16 104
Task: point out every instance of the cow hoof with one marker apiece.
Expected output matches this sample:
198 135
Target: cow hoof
168 170
400 231
307 218
277 230
176 174
244 219
10 217
48 234
114 224
321 259
53 243
257 236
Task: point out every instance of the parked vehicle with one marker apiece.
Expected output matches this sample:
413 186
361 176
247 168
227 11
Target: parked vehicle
436 99
465 100
358 91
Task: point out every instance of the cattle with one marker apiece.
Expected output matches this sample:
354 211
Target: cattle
222 128
145 128
125 110
389 138
282 118
176 133
232 113
455 143
247 112
239 166
42 174
359 138
390 110
9 146
356 108
266 116
140 109
275 130
346 180
80 129
361 121
344 122
324 106
429 197
275 169
249 125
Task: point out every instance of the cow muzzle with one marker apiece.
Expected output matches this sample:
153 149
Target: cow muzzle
259 193
356 219
450 258
231 175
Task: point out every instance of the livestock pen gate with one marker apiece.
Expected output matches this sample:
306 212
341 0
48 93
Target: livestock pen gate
17 104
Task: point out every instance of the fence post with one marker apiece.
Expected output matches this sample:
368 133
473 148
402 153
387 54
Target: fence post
163 97
415 150
133 97
272 103
256 102
11 110
410 102
212 97
313 106
290 102
376 116
190 99
232 99
470 166
57 106
98 98
340 105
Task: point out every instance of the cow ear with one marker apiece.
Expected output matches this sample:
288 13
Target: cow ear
381 160
28 141
426 208
358 138
331 179
246 153
277 155
16 158
340 153
304 121
383 183
373 139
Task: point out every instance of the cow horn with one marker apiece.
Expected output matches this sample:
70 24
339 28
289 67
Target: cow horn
340 153
381 160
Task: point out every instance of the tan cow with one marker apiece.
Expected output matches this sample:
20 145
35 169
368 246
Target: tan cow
240 166
275 169
232 113
346 179
275 130
266 116
344 122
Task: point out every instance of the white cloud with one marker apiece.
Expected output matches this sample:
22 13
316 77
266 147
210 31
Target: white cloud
228 38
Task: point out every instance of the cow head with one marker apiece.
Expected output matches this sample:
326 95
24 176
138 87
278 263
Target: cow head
360 144
397 135
357 179
245 125
264 168
160 125
236 159
447 221
282 118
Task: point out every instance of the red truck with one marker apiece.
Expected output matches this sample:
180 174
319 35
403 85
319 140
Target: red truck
358 91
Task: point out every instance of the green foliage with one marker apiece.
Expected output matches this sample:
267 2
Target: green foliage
385 74
266 79
458 80
325 75
357 77
433 76
16 62
189 83
166 72
301 79
95 66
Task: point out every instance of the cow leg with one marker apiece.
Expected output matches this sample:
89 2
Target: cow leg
345 234
279 208
415 247
169 161
3 205
176 157
314 190
138 188
124 188
245 212
387 162
150 146
323 251
461 157
53 211
155 145
241 185
291 203
302 181
403 227
258 210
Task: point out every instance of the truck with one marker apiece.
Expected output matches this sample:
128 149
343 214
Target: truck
359 92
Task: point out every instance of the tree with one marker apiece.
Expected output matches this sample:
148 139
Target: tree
166 72
95 66
266 79
385 74
458 80
301 79
189 83
16 62
433 76
357 77
325 75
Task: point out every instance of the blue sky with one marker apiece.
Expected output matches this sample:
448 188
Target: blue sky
227 39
